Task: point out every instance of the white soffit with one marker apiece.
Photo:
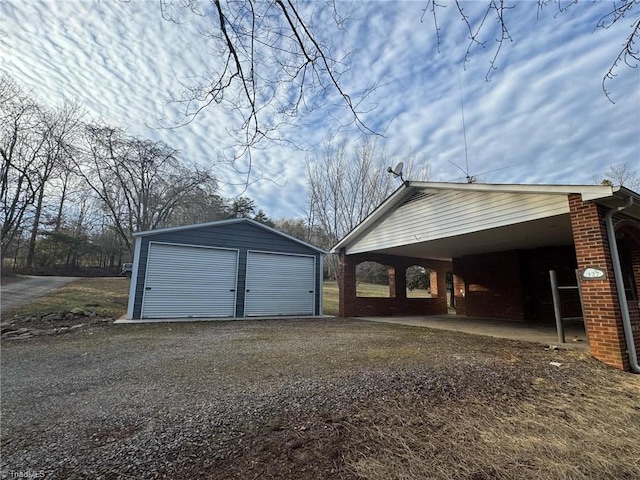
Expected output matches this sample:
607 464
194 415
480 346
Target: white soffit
409 189
550 231
430 215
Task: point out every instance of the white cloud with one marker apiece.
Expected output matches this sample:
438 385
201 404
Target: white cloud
542 118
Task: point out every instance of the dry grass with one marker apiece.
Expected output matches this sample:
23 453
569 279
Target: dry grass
306 399
107 296
376 290
370 401
330 298
582 429
330 294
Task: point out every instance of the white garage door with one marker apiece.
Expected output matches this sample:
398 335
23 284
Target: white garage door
279 284
184 281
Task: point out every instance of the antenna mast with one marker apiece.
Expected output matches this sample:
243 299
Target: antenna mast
464 132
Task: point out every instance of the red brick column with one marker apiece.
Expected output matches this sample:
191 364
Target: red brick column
400 277
601 309
393 284
433 283
459 287
441 282
346 283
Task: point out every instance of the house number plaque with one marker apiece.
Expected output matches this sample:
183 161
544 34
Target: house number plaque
593 273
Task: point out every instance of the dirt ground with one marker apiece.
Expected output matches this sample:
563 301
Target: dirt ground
309 399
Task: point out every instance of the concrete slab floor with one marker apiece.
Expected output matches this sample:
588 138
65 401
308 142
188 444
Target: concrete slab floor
575 335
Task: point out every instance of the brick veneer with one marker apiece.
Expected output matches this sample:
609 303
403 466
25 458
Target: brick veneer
515 285
433 283
489 285
538 300
398 303
601 308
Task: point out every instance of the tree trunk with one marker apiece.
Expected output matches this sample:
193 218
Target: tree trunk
34 233
61 207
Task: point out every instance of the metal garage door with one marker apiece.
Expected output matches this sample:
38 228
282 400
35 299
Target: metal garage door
185 281
279 284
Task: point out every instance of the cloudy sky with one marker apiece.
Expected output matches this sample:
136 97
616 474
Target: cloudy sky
542 118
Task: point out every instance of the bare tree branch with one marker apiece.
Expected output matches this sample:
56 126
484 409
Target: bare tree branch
270 70
497 10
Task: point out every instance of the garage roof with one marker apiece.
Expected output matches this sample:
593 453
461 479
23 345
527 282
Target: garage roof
227 222
446 220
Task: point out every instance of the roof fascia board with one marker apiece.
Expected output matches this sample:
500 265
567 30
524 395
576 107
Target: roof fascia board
624 192
227 222
282 234
588 192
187 227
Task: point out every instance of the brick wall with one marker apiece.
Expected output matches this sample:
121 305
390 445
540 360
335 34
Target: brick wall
537 285
459 290
492 285
634 315
515 284
601 307
398 303
387 307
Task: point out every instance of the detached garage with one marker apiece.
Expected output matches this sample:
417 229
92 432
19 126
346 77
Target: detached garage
228 269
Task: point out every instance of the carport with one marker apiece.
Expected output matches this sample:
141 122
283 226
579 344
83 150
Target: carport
500 242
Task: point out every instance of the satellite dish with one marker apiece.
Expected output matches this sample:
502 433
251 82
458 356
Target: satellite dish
397 171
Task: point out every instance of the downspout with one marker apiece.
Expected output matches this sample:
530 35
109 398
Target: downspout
622 298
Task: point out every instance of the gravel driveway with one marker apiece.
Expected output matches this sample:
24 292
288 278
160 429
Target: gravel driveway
251 399
29 288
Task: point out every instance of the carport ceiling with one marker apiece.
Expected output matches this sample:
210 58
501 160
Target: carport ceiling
545 232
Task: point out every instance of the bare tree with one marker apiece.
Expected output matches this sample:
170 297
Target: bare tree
346 183
139 183
270 69
21 147
201 204
620 174
58 129
295 227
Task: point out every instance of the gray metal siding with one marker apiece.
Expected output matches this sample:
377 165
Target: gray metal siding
240 236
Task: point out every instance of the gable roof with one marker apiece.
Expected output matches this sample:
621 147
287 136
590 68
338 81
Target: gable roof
230 221
411 191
